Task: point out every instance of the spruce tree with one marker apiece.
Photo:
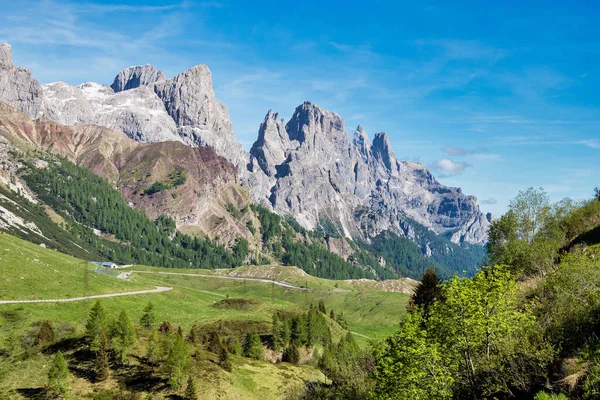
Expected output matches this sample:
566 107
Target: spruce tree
122 336
426 292
332 314
224 361
96 322
291 354
57 376
45 334
101 362
178 359
278 340
253 346
322 307
148 318
190 390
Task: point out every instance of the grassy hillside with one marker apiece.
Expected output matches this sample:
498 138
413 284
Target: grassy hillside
29 271
368 312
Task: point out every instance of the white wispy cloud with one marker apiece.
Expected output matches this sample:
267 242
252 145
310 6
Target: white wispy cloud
447 167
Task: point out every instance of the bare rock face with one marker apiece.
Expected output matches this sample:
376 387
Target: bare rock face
317 175
17 87
136 76
201 120
138 113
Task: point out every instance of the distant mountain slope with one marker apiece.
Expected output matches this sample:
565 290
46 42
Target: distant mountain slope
306 168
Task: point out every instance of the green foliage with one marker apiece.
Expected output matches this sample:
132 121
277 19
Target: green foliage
233 210
270 223
177 360
148 318
155 188
531 209
45 334
291 354
412 366
101 360
253 346
122 335
57 377
426 292
97 323
86 201
550 396
250 226
190 390
321 307
224 360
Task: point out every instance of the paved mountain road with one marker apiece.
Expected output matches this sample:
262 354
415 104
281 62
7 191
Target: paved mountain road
158 289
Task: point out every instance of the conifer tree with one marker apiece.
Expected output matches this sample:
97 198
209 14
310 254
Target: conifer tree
224 361
96 323
291 354
45 334
253 346
278 339
148 318
178 359
426 292
102 366
322 307
122 336
190 390
57 377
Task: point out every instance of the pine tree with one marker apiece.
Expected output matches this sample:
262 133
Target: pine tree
45 334
153 349
426 292
332 314
122 336
190 390
148 318
178 359
102 366
253 346
291 354
57 376
96 323
322 307
278 340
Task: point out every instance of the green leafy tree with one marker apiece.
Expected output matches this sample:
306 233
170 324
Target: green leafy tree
190 390
531 209
412 366
253 346
122 334
57 377
148 318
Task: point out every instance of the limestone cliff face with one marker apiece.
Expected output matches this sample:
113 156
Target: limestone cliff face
316 174
17 87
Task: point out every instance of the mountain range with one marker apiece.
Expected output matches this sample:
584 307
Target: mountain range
145 128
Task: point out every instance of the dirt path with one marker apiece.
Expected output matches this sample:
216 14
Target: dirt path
98 296
239 278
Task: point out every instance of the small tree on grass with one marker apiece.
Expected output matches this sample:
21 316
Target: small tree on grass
123 336
190 390
96 323
148 318
178 359
253 346
426 292
101 363
57 377
45 334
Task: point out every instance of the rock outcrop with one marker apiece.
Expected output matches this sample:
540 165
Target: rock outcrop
136 76
17 87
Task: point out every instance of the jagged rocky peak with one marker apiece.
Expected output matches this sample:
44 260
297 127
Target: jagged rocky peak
362 143
382 150
17 87
310 120
136 76
5 56
272 143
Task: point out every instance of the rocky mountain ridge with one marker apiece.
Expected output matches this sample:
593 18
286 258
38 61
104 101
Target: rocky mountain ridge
307 168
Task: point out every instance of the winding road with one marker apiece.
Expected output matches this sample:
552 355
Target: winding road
158 289
239 278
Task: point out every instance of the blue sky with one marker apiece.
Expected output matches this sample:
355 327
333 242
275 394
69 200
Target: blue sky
493 96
